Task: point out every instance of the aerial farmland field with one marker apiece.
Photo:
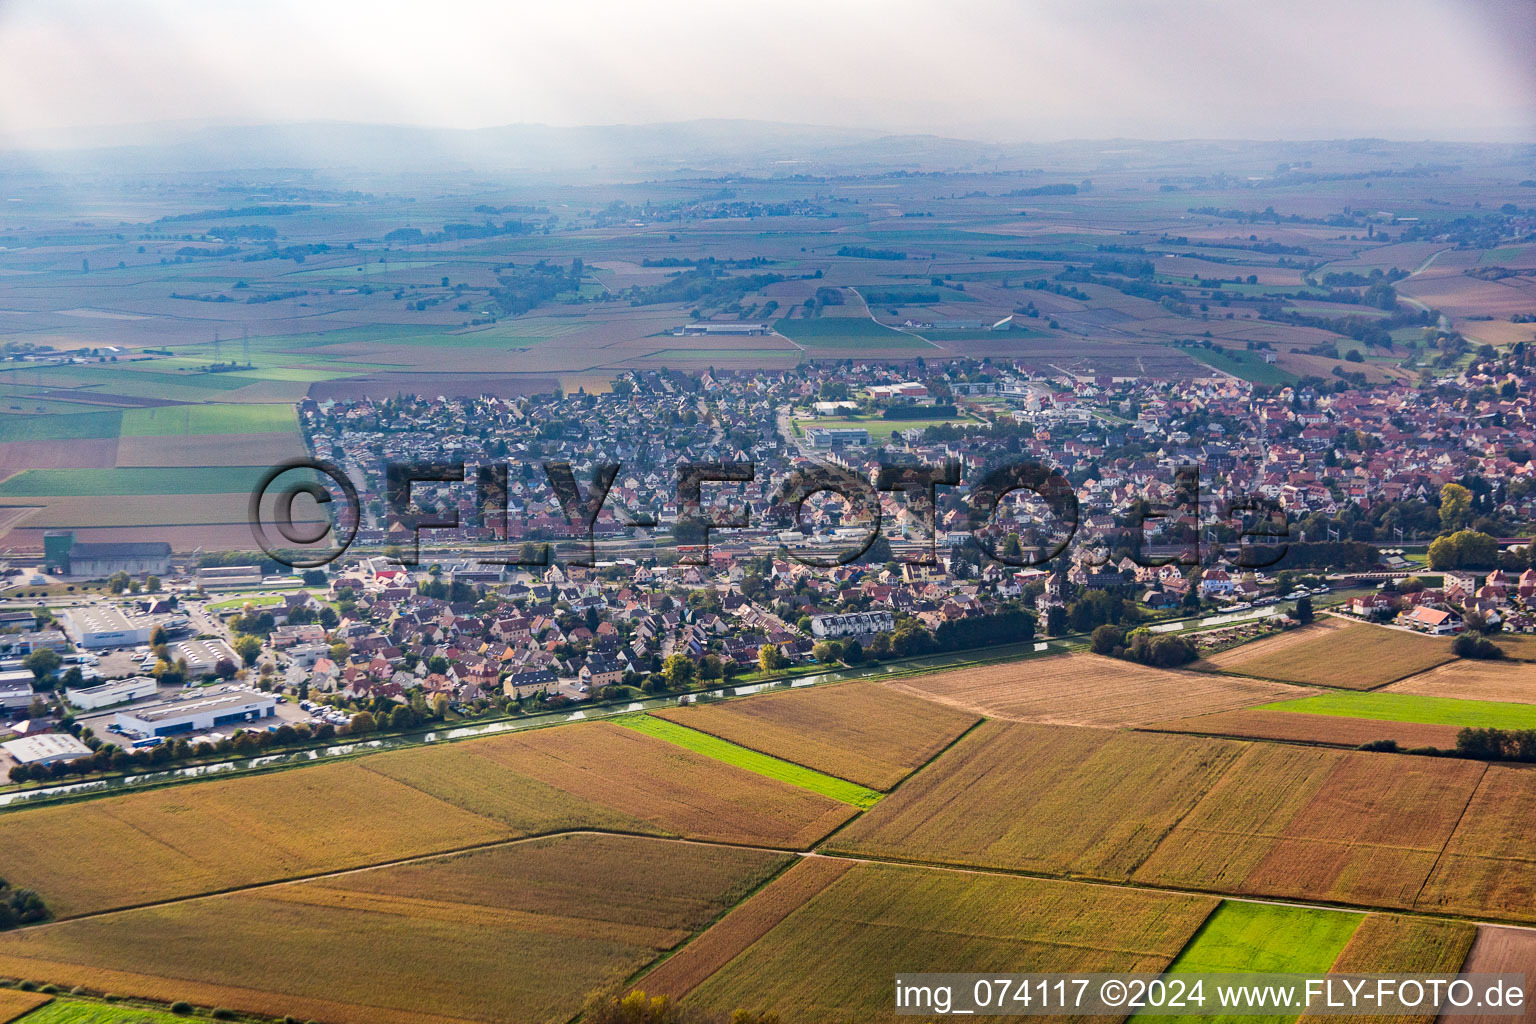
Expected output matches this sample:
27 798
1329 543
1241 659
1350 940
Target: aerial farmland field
1331 652
455 918
211 836
866 732
834 958
1087 689
1240 937
1413 707
1474 681
1072 801
1304 823
1387 943
1335 730
15 1004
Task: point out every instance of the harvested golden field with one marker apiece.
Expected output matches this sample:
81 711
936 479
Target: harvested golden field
1504 951
14 1003
1307 823
1258 723
743 926
833 959
1391 944
1520 646
1352 656
1047 799
863 732
1489 865
424 942
1275 643
1510 681
206 836
668 789
1087 689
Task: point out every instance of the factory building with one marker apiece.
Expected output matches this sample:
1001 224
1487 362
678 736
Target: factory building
118 691
96 627
46 749
197 711
85 560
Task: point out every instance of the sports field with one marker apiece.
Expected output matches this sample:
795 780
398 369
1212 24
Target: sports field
866 732
752 760
580 912
1410 707
1334 653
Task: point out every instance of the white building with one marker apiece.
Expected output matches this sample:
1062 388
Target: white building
118 691
46 749
214 577
198 710
852 624
15 690
96 627
202 656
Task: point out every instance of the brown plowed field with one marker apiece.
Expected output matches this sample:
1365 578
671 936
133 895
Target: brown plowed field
1257 723
1512 681
1086 689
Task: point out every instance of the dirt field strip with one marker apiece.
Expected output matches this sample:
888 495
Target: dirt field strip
1256 723
1089 690
739 929
1508 681
1503 951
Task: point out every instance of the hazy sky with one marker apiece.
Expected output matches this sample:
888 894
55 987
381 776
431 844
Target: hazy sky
1026 70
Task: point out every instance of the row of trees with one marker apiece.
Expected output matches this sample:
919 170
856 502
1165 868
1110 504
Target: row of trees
1140 645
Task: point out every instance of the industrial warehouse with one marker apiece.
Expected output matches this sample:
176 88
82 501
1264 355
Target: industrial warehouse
97 627
117 691
197 711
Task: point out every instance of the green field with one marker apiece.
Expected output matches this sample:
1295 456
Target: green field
752 761
258 600
839 332
879 429
72 1011
1409 707
1250 366
210 419
1242 938
60 428
59 483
